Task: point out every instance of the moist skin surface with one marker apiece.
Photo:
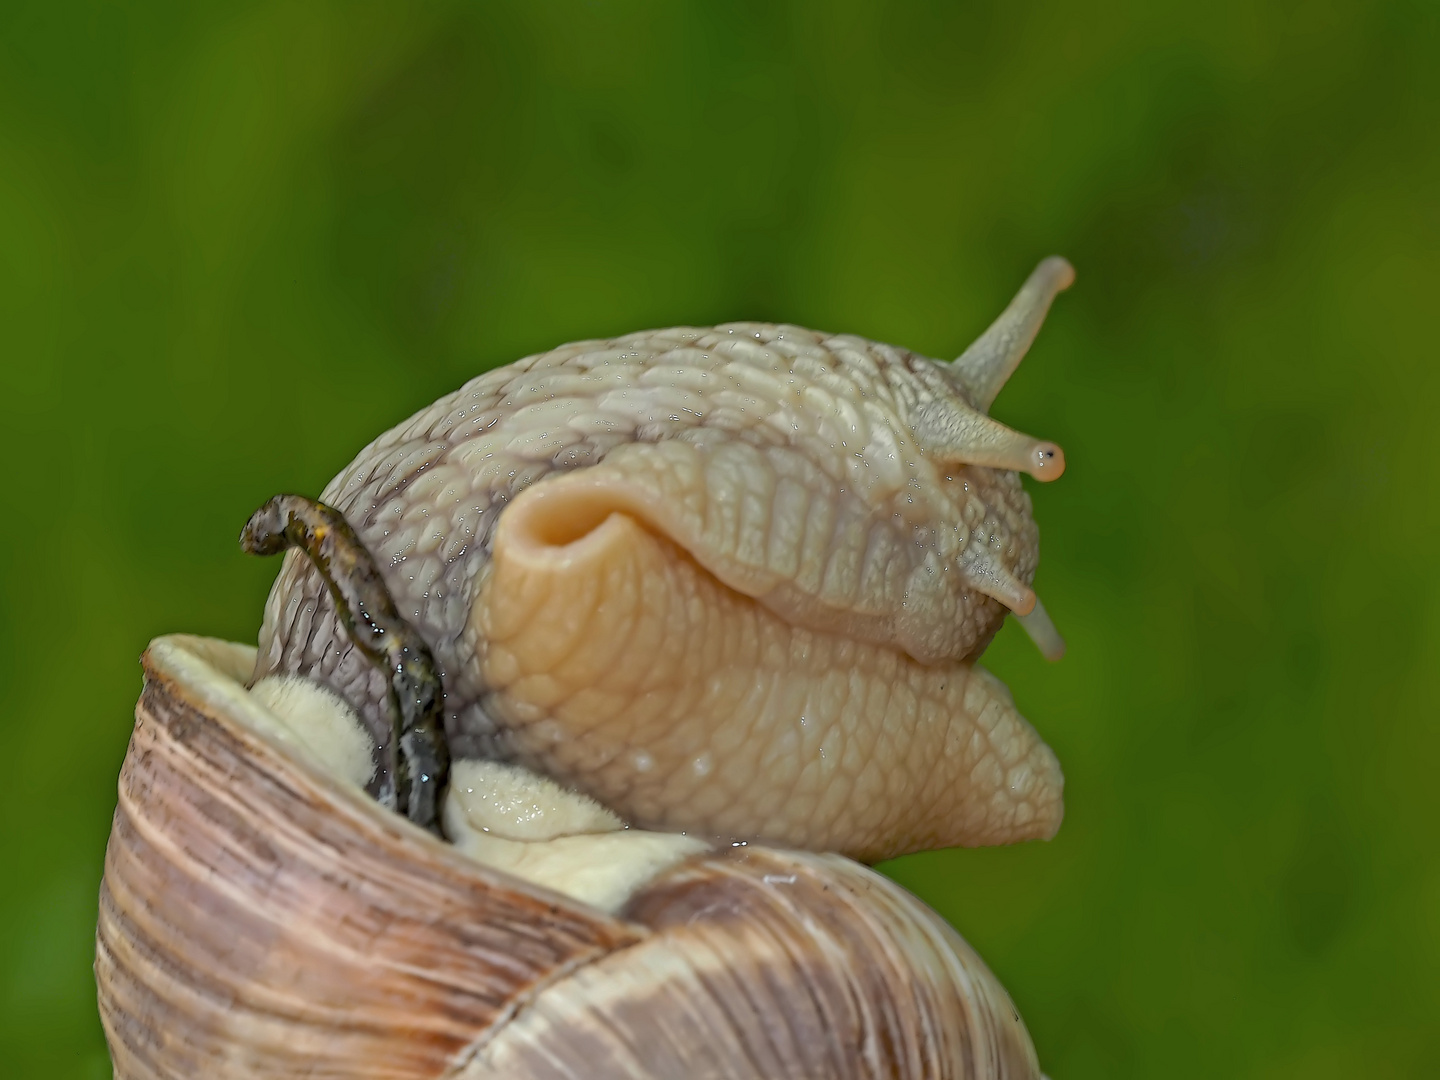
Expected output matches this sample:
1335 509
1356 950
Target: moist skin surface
729 581
624 669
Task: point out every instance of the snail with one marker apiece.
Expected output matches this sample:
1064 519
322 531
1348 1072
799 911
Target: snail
694 610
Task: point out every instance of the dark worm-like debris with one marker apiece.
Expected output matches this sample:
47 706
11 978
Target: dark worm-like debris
416 758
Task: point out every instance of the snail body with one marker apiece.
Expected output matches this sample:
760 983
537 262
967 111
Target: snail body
728 581
261 919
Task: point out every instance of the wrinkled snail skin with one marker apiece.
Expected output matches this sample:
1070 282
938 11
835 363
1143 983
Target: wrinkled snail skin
626 671
829 529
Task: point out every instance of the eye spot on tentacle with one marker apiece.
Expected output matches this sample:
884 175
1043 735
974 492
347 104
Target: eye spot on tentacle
1049 462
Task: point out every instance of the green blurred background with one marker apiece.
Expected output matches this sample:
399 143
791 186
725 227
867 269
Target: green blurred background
239 240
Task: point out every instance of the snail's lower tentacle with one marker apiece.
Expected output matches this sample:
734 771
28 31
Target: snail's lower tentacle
1042 631
417 757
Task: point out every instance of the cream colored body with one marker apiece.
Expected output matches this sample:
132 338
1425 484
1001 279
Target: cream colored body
726 581
514 820
628 672
502 816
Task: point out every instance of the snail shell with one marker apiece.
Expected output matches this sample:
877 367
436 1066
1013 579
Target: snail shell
259 918
725 581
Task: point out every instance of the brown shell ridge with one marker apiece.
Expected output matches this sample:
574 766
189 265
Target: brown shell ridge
225 951
464 1058
795 965
475 1052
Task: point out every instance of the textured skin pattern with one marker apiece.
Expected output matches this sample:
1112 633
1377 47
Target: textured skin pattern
624 669
782 459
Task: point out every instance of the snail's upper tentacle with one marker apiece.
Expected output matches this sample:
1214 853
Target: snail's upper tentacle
985 366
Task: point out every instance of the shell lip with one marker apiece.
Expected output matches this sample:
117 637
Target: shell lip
208 674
